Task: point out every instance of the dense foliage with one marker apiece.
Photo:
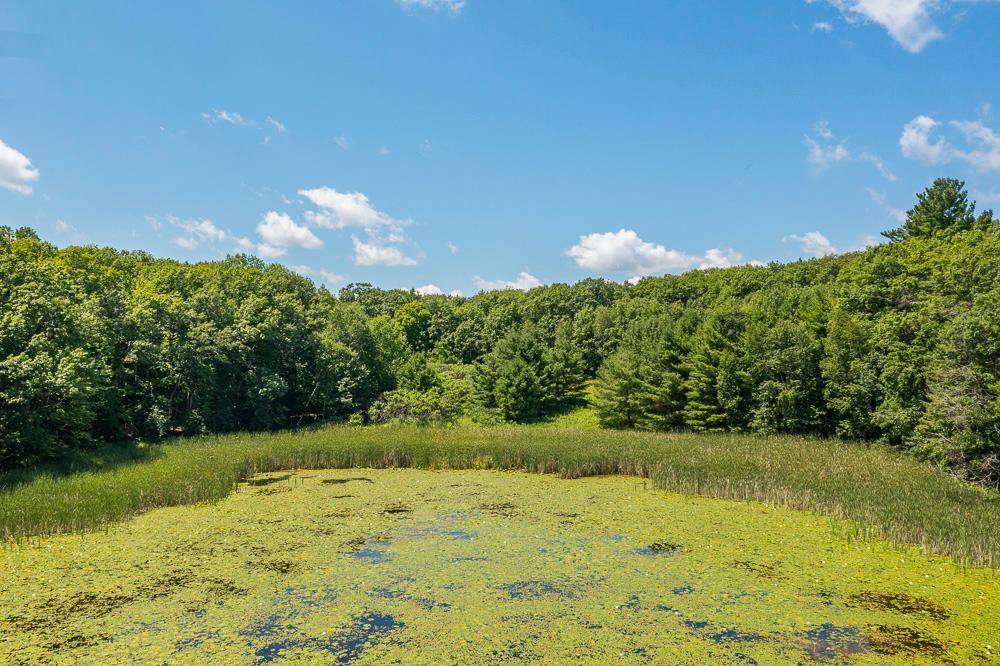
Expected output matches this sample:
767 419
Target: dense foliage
898 343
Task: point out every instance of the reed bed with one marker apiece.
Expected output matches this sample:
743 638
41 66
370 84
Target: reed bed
881 493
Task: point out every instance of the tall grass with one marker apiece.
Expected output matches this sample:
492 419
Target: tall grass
884 494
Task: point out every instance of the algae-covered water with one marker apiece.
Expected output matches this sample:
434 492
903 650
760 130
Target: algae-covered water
408 566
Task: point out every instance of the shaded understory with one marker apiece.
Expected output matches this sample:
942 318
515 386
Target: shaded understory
380 566
884 493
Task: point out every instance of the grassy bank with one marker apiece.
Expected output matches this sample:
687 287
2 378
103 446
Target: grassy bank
885 493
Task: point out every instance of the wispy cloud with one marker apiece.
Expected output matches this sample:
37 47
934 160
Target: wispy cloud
270 125
524 281
450 6
896 214
825 150
329 278
917 143
342 141
202 232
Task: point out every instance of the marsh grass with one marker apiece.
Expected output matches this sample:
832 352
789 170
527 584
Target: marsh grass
881 493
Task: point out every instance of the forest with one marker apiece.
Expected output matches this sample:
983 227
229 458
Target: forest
898 343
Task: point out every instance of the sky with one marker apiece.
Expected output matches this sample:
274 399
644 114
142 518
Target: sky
460 145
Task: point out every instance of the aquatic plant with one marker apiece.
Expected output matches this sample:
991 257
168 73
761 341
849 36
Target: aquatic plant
882 492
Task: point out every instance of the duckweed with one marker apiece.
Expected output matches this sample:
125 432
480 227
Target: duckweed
485 567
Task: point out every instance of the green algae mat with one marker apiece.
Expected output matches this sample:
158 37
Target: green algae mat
406 566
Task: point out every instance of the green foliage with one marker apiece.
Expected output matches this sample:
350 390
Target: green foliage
890 344
941 208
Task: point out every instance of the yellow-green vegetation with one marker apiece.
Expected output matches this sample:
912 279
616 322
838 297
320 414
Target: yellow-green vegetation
481 566
884 493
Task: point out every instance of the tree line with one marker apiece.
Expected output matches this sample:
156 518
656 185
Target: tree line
897 343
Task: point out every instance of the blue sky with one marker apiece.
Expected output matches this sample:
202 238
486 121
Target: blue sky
455 145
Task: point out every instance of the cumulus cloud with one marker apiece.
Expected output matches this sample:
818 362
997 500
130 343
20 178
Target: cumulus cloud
428 290
917 143
328 278
341 210
16 171
452 247
826 150
202 232
279 232
822 26
624 252
338 210
451 6
524 281
375 253
812 243
908 22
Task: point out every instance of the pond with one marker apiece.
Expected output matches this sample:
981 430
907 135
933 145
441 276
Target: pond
382 566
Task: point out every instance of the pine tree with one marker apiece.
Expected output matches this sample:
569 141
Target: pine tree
703 411
618 392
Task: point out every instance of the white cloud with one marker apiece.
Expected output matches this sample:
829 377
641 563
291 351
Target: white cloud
908 22
426 147
235 118
383 151
524 281
813 243
342 141
204 230
452 6
428 290
624 252
826 150
452 247
328 278
64 227
278 231
216 116
276 124
916 143
457 293
877 162
16 171
895 213
376 253
185 242
716 258
985 155
822 26
346 209
821 156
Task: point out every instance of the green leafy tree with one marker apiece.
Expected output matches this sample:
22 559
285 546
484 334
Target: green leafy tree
942 207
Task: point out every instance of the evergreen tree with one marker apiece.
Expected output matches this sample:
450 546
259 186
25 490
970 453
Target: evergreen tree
942 207
703 410
618 391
